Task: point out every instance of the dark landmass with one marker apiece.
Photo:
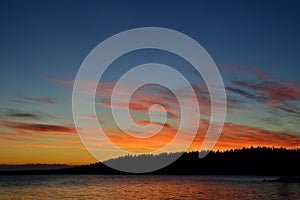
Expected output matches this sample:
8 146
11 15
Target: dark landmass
285 179
27 167
246 161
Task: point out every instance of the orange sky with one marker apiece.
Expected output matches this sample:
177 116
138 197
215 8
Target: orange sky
38 144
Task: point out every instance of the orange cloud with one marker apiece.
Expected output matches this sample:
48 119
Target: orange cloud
233 136
138 145
39 127
146 122
142 100
237 136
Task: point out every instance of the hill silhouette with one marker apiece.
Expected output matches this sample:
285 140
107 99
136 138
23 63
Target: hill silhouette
246 161
38 166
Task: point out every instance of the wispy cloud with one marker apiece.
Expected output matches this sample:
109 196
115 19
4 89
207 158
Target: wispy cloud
23 115
264 89
41 136
272 94
241 92
61 81
142 100
278 96
146 122
273 91
248 69
46 100
233 136
36 127
239 135
44 128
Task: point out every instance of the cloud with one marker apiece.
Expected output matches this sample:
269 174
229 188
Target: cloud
142 100
39 127
20 135
147 122
25 115
62 82
233 136
244 93
248 69
278 96
46 100
238 136
18 114
263 89
274 92
241 96
151 94
289 108
136 144
44 128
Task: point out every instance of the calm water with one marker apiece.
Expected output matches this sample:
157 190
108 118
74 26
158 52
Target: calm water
143 187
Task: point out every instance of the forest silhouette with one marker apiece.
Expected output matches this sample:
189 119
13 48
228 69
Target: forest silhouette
246 161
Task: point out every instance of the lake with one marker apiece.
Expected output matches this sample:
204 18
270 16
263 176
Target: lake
144 187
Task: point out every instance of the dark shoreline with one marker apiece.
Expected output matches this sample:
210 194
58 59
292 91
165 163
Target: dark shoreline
285 179
259 161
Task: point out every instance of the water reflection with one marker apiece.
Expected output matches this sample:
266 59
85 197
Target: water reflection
143 187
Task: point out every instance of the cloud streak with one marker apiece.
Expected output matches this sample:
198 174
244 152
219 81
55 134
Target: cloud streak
45 100
36 127
25 115
249 69
279 96
239 135
233 136
274 92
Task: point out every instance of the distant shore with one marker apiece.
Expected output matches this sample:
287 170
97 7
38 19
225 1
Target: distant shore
247 161
285 179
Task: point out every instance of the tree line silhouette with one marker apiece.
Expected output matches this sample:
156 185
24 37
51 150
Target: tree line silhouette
246 161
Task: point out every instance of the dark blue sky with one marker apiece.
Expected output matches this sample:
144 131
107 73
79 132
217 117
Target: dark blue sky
43 36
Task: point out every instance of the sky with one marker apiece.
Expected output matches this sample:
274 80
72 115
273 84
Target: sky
255 45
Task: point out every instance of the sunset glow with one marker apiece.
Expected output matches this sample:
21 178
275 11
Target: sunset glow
40 56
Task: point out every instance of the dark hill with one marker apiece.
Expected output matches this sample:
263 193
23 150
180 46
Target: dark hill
246 161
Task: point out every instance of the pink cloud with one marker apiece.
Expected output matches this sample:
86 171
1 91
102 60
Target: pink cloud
276 92
249 69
